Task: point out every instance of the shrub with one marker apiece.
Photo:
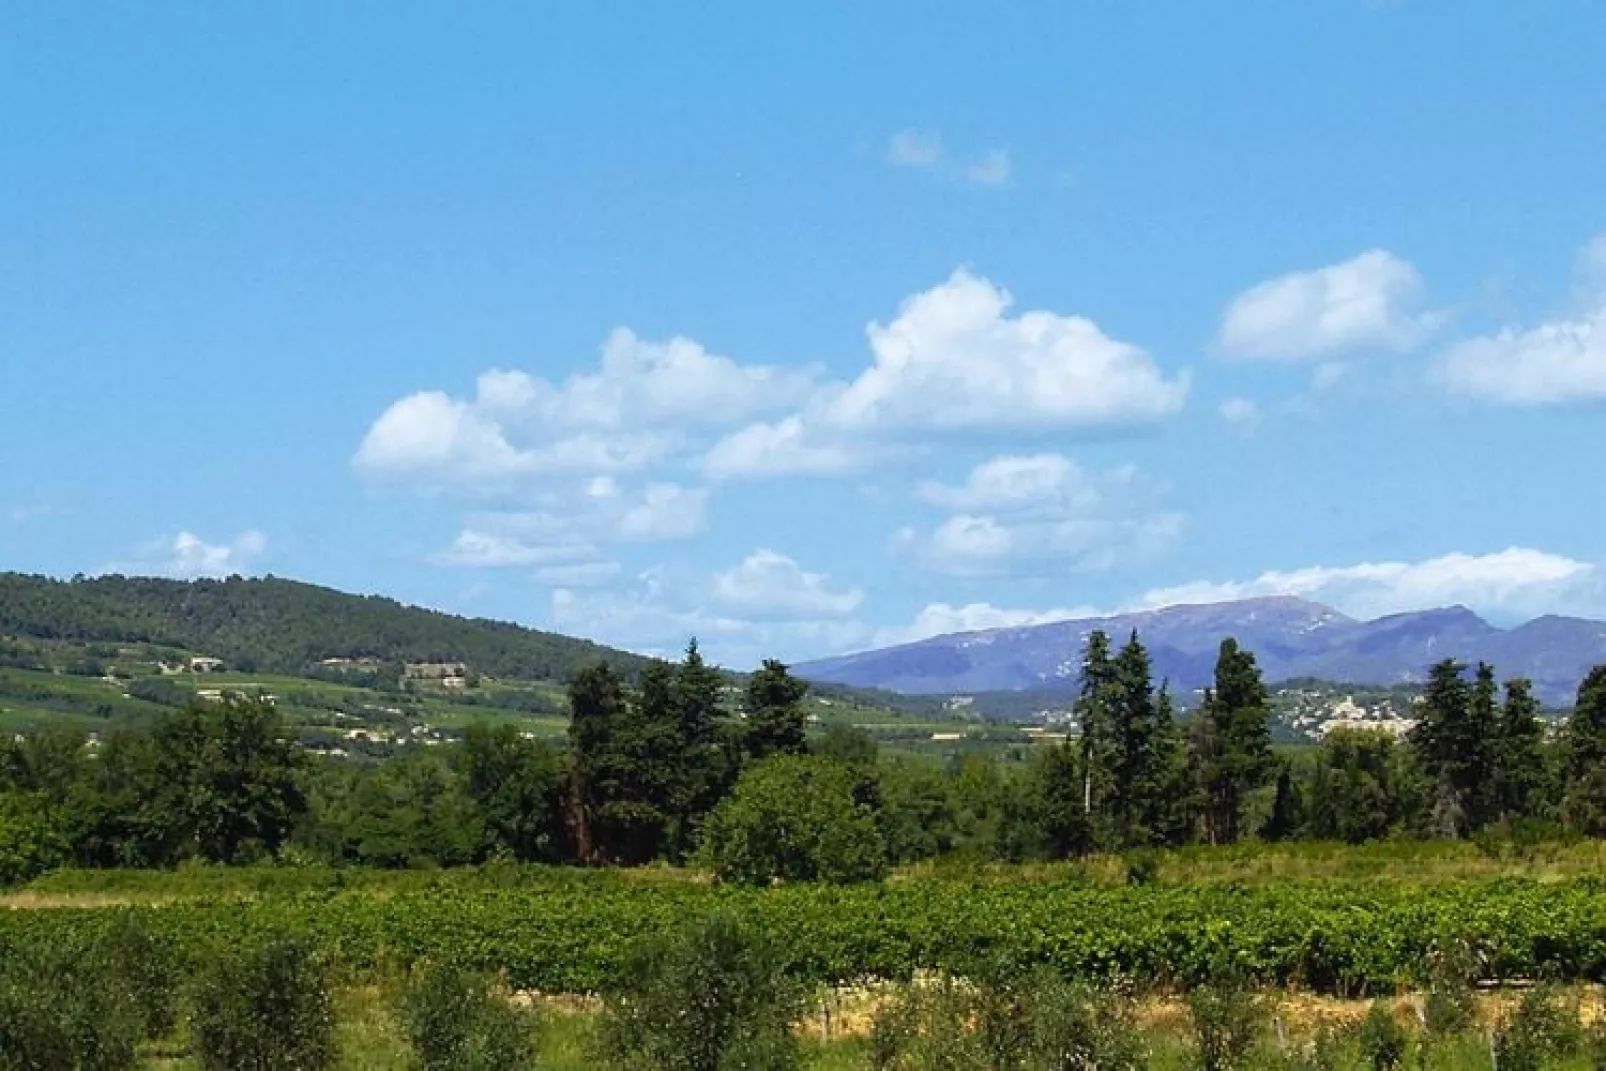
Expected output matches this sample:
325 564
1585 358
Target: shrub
1226 1023
57 1012
148 968
1449 1008
794 818
709 998
265 1007
1537 1031
1074 1027
1382 1039
456 1021
929 1025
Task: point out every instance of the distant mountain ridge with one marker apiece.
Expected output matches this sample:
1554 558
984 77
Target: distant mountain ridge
1291 637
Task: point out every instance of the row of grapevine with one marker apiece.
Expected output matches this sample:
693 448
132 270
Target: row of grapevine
575 936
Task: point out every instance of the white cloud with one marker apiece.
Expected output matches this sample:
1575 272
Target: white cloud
740 616
994 169
1241 413
1015 513
578 574
782 448
915 148
665 511
1515 582
475 548
768 584
1372 302
1554 363
1016 483
187 556
942 619
1560 361
632 412
953 360
573 521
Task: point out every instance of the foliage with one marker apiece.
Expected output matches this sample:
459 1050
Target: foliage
60 1009
1227 1018
263 1004
1538 1031
457 1021
708 998
773 706
1382 1039
794 818
1231 743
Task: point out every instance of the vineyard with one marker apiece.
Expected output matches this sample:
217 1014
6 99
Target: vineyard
573 931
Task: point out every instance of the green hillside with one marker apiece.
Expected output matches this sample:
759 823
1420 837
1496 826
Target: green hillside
271 625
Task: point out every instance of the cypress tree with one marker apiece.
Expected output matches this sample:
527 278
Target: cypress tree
1454 741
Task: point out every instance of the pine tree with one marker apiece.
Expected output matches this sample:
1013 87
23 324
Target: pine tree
1092 709
1135 777
773 703
623 752
1231 741
1454 742
1584 757
1172 813
1519 756
703 761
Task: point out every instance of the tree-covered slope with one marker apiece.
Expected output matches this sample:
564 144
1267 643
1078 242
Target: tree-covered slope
274 625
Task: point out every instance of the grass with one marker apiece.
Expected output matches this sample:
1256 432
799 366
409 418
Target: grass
370 1038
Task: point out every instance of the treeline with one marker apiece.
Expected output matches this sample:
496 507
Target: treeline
669 768
272 625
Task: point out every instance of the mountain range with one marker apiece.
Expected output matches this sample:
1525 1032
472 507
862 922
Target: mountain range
1291 637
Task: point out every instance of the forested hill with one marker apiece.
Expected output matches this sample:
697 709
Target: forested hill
282 626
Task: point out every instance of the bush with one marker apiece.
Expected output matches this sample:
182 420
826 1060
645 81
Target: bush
265 1007
1074 1027
794 818
148 968
709 998
929 1025
456 1021
56 1011
1039 1023
1226 1024
1449 1007
1382 1039
1537 1031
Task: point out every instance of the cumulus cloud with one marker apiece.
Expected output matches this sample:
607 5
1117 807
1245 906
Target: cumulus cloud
782 448
768 584
993 169
1018 512
630 413
915 148
1241 414
1518 581
953 359
942 619
187 556
1371 302
765 606
570 523
1559 361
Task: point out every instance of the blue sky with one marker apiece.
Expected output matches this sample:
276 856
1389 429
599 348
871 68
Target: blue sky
811 328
